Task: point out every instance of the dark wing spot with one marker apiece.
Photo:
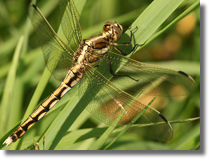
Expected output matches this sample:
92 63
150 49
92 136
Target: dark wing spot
163 118
183 73
34 6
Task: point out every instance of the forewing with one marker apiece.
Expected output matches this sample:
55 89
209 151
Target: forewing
57 55
70 23
135 77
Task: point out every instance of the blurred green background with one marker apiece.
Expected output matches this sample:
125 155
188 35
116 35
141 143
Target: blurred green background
176 48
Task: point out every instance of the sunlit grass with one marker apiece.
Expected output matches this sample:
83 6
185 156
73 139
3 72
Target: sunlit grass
30 85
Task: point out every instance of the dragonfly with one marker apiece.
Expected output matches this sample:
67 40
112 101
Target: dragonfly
88 62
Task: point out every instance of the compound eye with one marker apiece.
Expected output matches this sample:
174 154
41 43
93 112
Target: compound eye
119 26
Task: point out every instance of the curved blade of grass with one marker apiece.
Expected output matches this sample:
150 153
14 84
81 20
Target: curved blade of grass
185 13
185 142
76 136
148 22
9 85
38 92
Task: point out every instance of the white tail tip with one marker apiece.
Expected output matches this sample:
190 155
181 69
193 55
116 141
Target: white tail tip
8 141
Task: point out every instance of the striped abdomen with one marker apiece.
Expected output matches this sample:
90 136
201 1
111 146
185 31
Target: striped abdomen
73 77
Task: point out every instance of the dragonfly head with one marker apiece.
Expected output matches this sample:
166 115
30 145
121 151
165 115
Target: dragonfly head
113 30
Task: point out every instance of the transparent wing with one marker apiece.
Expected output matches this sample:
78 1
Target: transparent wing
70 23
58 56
149 79
106 102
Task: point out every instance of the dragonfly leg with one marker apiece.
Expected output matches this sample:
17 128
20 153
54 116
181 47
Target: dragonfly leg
125 54
119 75
127 44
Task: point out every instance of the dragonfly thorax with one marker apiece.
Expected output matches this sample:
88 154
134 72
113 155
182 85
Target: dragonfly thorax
91 50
